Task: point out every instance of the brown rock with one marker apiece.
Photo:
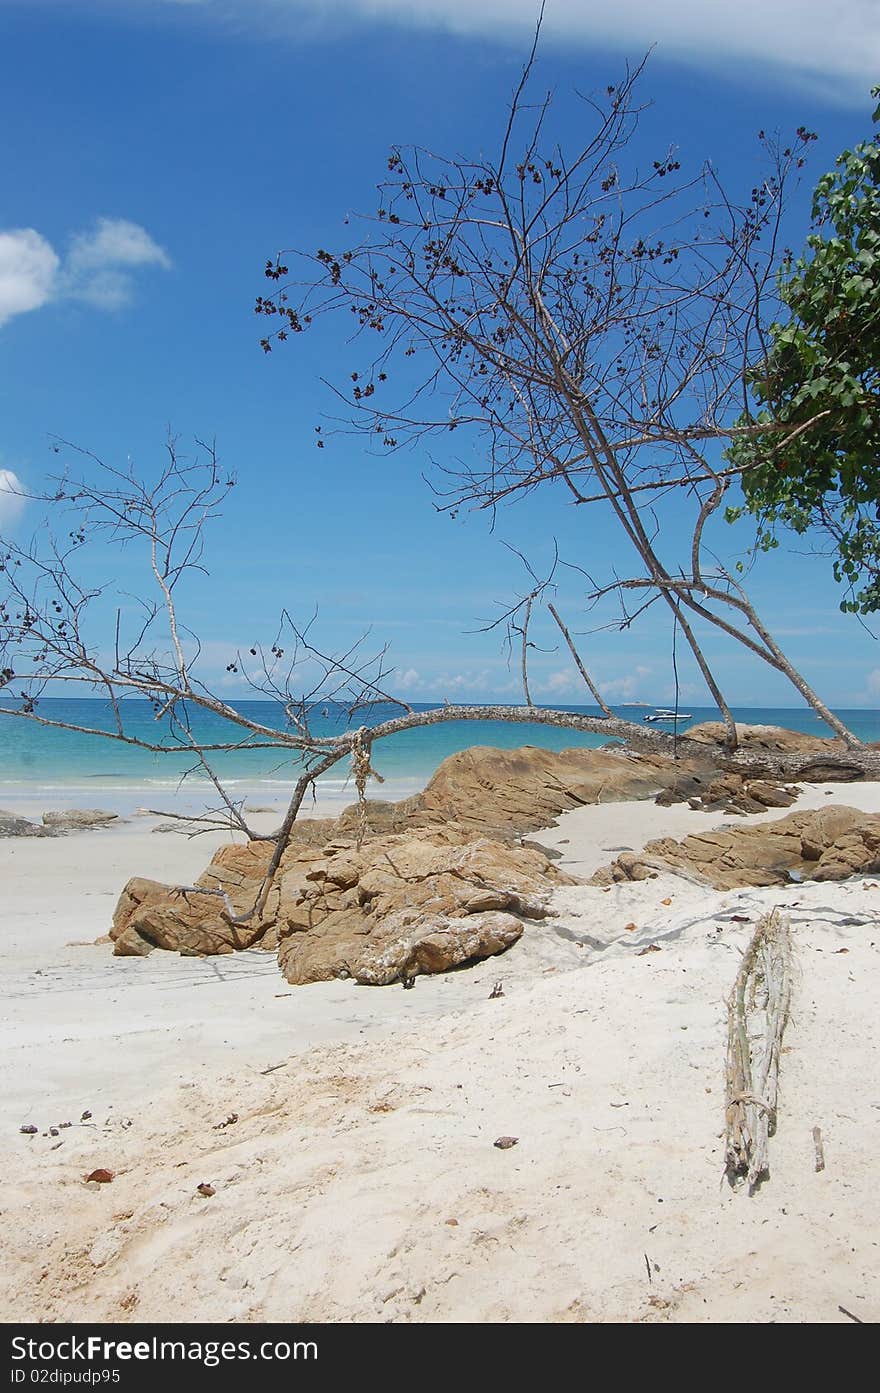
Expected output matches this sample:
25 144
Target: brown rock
500 792
400 948
150 915
770 795
827 844
420 904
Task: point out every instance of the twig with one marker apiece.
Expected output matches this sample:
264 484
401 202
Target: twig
819 1149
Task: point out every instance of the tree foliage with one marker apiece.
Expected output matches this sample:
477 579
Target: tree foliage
818 388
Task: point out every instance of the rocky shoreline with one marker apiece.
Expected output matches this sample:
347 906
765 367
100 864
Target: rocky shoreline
389 891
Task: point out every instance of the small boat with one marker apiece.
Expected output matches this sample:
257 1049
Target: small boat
662 714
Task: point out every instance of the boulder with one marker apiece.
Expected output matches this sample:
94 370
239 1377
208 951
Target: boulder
405 946
78 819
186 920
825 844
11 825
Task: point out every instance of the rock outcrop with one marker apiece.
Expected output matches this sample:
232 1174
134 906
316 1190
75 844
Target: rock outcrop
727 793
400 904
828 760
388 890
503 792
827 844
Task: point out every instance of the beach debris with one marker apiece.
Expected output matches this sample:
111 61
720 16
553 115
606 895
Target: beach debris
757 1014
818 1150
206 1190
229 1121
453 1223
101 1176
649 948
407 980
497 990
630 928
53 1131
668 900
29 1130
844 1312
65 1124
505 1143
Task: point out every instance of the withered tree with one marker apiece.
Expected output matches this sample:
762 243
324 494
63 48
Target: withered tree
579 322
69 625
583 320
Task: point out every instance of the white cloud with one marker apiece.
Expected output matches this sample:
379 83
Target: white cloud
839 42
446 685
409 681
99 268
619 688
99 265
28 267
557 684
11 506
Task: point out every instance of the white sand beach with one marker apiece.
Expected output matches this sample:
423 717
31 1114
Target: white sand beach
360 1180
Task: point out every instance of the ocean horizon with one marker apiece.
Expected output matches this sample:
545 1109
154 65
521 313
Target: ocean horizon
42 763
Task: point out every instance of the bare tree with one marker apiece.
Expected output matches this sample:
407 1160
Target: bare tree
580 320
59 634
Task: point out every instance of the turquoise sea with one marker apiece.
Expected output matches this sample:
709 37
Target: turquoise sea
41 763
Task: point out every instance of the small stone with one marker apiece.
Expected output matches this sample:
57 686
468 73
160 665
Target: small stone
206 1190
505 1143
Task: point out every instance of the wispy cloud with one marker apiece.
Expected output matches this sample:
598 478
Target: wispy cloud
11 501
100 264
627 688
99 269
837 44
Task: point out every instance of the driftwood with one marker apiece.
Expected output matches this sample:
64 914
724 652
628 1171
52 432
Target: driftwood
757 1013
818 1149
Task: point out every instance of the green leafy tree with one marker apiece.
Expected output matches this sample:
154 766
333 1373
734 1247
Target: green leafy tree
817 465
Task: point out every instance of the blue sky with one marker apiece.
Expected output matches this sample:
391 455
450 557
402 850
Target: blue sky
158 151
